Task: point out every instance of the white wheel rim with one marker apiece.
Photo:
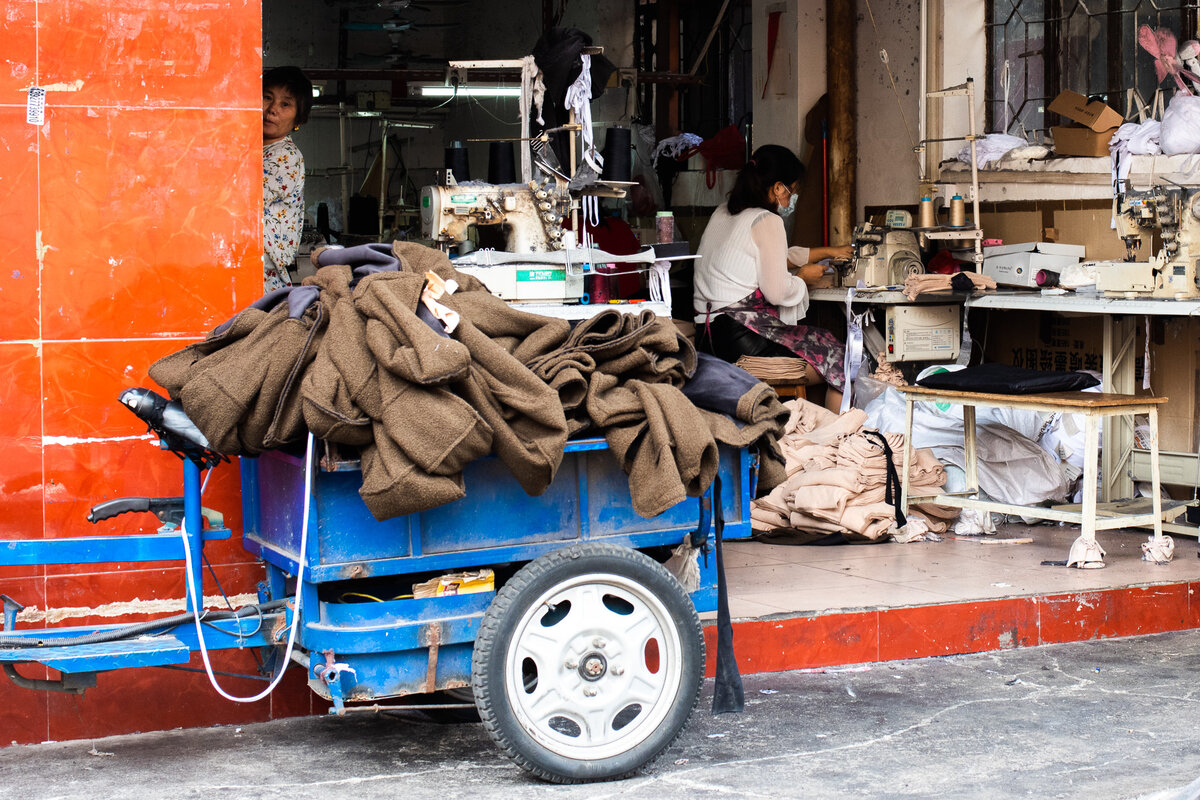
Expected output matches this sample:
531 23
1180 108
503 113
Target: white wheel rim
569 714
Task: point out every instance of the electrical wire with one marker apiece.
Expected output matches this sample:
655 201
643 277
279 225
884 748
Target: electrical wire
301 558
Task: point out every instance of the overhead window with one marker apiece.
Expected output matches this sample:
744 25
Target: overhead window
1038 48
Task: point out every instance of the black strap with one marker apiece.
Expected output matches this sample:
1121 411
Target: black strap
728 695
890 496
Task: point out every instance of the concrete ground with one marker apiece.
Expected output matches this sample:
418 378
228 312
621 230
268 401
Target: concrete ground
1095 720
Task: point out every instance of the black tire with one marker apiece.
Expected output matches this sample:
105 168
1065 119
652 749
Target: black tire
579 623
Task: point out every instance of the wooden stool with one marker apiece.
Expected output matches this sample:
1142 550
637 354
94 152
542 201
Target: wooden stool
787 376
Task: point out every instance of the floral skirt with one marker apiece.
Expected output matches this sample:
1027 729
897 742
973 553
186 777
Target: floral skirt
820 348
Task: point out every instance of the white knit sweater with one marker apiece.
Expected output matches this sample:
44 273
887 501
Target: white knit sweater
743 252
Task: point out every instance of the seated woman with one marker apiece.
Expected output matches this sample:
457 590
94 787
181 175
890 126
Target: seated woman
746 300
287 99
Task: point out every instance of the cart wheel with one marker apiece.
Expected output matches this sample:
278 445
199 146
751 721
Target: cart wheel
588 663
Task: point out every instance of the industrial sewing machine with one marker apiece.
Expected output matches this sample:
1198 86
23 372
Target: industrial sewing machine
511 217
1174 271
529 216
883 256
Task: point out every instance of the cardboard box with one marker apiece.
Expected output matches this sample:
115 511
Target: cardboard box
1019 264
1048 248
1047 340
1097 123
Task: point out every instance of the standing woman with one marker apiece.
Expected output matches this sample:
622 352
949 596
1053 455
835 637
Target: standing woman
746 300
287 99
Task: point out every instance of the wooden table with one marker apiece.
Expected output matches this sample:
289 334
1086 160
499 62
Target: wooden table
1093 406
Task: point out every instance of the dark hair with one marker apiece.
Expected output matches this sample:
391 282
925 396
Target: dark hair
298 86
770 164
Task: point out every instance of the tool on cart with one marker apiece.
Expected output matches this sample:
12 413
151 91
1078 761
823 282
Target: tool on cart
1172 214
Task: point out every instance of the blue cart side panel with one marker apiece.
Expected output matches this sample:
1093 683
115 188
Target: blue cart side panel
496 522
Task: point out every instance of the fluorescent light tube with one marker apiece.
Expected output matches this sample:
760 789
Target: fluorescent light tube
469 91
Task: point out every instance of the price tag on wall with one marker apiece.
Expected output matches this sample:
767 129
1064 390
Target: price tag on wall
35 107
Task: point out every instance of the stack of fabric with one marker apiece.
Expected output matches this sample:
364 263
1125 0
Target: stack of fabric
391 350
660 405
838 481
916 285
775 370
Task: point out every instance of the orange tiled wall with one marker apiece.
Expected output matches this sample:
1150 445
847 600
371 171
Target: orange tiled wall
132 224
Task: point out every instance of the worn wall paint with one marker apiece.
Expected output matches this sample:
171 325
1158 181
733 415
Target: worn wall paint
888 126
133 226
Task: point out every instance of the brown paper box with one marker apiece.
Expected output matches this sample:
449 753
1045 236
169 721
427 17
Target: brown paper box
1097 123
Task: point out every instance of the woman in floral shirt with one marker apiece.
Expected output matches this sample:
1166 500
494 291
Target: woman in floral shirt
287 99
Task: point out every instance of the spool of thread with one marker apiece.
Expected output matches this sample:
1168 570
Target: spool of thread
664 225
958 212
457 162
927 218
617 155
1045 277
501 167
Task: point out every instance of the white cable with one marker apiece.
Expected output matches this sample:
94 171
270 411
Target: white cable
193 594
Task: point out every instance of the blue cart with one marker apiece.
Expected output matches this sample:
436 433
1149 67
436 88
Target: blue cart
584 656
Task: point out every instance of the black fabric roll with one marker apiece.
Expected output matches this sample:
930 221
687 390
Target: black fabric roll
618 155
501 167
456 161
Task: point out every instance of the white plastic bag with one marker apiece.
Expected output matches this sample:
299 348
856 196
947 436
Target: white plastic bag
1180 132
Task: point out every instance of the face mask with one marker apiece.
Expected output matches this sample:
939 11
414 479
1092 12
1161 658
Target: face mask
786 211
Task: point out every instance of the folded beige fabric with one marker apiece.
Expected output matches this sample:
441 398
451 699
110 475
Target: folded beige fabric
915 285
778 369
888 372
836 479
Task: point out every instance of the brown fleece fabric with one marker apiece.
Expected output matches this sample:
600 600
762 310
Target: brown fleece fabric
660 439
369 372
433 403
241 386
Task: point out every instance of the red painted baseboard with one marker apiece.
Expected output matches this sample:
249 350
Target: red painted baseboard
854 637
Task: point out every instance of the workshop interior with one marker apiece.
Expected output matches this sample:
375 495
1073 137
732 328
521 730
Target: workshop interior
476 457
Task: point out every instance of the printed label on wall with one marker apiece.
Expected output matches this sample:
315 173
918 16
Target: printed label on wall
35 107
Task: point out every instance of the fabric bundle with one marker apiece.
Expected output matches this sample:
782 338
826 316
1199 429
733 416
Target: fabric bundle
915 285
241 385
390 350
837 480
661 407
774 369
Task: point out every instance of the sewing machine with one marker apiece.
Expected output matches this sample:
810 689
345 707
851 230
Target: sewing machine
530 215
882 257
1174 271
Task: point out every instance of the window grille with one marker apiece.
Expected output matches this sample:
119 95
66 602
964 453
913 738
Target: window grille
1038 48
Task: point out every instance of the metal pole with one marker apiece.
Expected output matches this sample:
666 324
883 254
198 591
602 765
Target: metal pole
194 523
383 176
345 163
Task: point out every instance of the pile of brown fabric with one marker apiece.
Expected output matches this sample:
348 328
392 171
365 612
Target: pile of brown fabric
641 384
241 385
778 370
836 480
355 356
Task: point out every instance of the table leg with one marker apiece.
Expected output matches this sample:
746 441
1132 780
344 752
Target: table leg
908 451
1155 476
1091 463
970 448
1118 368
